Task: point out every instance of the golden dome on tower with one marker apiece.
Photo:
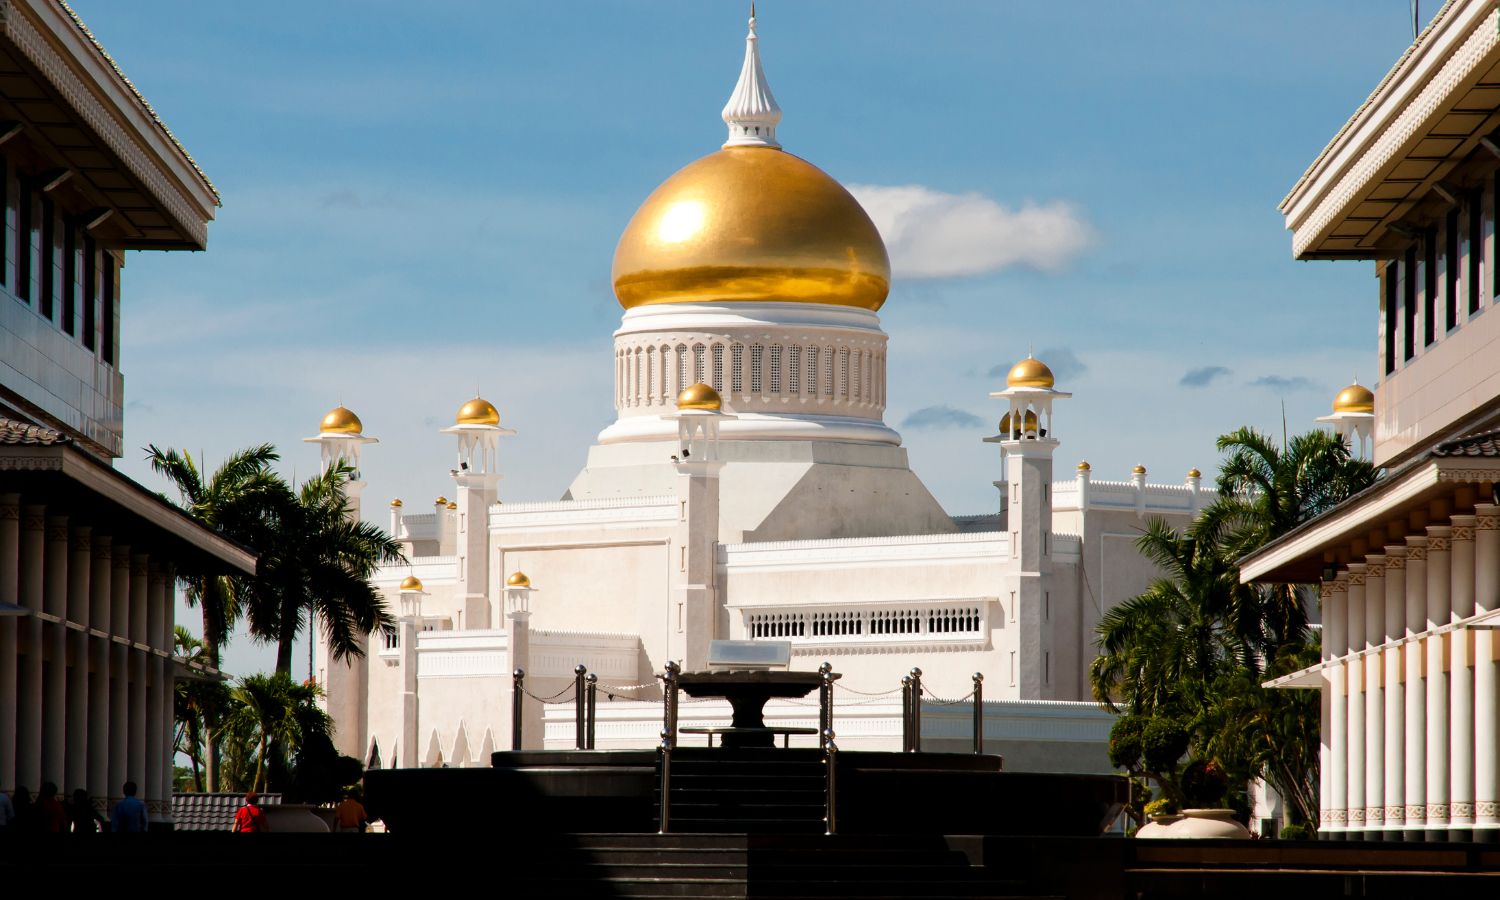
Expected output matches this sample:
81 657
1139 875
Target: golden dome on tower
411 583
1194 473
751 224
1084 466
341 420
1138 470
700 396
518 580
478 411
1028 422
1356 398
1031 373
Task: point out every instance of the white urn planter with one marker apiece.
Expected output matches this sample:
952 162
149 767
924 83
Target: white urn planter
1199 824
294 818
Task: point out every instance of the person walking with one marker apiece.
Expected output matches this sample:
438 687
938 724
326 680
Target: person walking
129 815
350 814
251 818
7 812
51 817
81 816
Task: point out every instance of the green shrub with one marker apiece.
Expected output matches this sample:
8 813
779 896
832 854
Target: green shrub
1125 742
1162 807
1296 833
1163 743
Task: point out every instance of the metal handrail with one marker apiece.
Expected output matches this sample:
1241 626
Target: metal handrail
830 761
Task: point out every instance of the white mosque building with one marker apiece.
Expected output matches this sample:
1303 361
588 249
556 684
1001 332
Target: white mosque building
750 489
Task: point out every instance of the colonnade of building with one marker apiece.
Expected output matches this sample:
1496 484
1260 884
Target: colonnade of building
88 660
1410 744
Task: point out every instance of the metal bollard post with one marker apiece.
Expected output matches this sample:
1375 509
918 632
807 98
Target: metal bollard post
905 713
579 740
517 686
830 759
916 710
593 710
978 713
825 698
668 739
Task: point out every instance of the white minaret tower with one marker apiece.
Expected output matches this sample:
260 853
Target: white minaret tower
340 437
1027 438
1353 418
696 617
751 113
477 479
409 625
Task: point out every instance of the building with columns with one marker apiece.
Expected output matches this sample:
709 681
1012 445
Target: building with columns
88 558
1409 570
750 488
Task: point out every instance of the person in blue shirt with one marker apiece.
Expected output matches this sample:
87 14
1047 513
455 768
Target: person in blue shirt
130 813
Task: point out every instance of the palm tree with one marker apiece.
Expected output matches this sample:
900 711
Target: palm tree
197 702
234 502
1266 491
277 712
319 568
1169 644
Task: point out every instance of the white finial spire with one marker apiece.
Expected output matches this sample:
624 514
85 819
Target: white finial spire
751 113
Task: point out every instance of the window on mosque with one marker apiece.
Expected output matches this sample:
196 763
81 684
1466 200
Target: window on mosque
1451 268
757 357
682 368
737 369
775 371
794 370
1392 276
812 370
49 255
27 244
70 279
1409 301
107 299
718 368
1475 251
1429 287
698 350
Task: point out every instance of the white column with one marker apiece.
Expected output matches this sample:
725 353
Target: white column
1416 696
1461 679
1337 804
1356 755
1325 721
1395 696
29 698
10 586
99 585
55 635
140 586
1438 615
119 672
1486 709
80 570
1374 692
152 787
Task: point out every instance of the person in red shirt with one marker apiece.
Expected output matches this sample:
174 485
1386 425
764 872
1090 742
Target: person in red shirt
250 818
51 815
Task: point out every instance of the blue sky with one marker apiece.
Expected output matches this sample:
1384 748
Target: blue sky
424 198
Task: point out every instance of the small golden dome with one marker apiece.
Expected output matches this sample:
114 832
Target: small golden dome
341 420
1084 466
441 501
1030 372
518 579
396 502
700 396
1194 473
751 224
1138 470
452 505
1356 398
478 411
1028 422
411 583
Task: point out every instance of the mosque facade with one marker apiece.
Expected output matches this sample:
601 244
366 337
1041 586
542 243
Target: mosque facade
750 489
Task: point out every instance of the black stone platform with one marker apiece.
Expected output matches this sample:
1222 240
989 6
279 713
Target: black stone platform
741 791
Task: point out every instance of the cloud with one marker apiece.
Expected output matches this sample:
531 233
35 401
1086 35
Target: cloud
931 234
1283 383
1064 363
934 417
1203 377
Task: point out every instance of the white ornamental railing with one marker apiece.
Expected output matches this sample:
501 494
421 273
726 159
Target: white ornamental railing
947 620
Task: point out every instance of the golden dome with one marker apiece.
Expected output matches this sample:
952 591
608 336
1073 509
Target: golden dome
396 502
1084 466
1030 372
751 224
341 420
1194 473
452 505
518 579
478 411
1356 398
1028 421
1138 470
441 501
700 396
411 583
